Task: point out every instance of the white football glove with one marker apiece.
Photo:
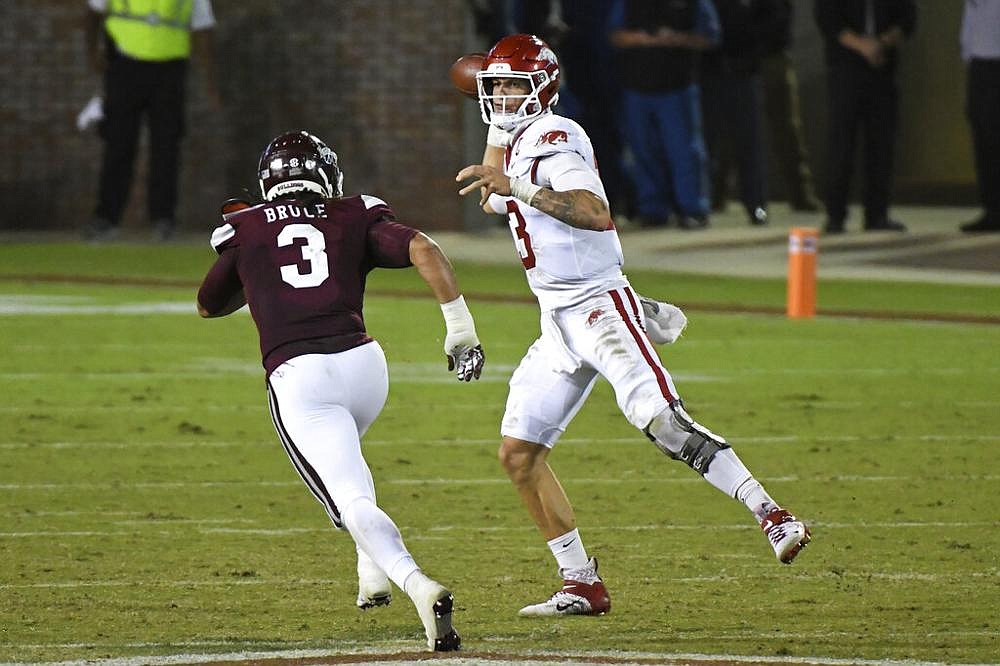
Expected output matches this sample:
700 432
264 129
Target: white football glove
664 322
461 344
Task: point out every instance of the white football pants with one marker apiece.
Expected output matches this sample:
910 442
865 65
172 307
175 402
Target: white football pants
603 336
321 405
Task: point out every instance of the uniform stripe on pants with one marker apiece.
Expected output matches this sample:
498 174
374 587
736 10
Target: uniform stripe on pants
633 321
301 465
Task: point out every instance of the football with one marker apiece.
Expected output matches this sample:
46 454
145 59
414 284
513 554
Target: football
463 74
234 205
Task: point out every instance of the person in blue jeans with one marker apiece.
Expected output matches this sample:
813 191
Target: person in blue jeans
658 45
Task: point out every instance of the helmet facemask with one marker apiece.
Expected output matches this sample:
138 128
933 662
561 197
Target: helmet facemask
510 111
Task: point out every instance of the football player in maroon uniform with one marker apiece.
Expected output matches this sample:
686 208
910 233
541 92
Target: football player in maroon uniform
300 260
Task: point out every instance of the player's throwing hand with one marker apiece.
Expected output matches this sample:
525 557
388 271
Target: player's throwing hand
490 179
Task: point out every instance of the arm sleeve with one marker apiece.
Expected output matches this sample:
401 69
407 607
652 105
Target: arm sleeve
389 244
567 171
221 283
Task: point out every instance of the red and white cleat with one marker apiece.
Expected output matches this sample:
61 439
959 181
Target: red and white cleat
786 533
582 593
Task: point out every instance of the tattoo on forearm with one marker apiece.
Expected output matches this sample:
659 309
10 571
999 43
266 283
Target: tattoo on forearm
577 208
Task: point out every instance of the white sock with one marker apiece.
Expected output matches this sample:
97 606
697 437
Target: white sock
753 495
568 551
728 473
376 534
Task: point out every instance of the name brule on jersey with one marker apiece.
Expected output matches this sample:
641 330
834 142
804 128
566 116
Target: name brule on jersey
288 211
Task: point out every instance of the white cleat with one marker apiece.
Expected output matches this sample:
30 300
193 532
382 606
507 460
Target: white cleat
786 534
434 605
374 588
370 596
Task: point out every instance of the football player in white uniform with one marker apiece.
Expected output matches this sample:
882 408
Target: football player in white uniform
539 170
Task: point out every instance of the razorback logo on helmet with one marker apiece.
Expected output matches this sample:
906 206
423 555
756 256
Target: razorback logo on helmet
553 137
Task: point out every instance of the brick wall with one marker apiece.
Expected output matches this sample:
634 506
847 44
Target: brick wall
367 76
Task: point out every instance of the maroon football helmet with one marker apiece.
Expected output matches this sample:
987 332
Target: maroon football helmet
518 57
297 162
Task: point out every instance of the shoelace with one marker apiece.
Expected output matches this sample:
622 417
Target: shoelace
776 533
563 600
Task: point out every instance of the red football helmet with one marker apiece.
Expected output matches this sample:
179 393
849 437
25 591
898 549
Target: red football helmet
518 57
296 162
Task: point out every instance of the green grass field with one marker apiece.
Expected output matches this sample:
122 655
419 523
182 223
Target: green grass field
148 508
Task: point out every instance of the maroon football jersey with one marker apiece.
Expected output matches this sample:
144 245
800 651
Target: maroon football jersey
302 265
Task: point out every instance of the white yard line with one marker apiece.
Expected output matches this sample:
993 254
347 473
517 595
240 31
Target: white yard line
164 528
198 441
481 481
394 653
235 407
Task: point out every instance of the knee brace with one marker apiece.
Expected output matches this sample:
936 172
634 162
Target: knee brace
679 436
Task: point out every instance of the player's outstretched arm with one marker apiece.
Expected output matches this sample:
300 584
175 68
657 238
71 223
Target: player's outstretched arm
221 292
578 208
461 344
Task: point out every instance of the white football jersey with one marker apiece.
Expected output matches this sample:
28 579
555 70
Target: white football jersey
564 265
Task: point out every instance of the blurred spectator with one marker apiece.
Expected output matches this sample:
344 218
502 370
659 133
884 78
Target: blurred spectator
658 44
732 101
981 51
144 60
862 38
494 19
782 112
589 92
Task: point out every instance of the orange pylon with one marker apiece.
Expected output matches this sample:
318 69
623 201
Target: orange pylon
803 246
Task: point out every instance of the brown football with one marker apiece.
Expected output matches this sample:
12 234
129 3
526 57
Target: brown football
463 74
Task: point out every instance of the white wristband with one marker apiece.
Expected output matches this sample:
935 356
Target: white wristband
460 328
497 137
456 314
523 189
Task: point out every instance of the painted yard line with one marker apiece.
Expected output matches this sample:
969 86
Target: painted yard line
137 517
175 444
488 481
603 441
412 534
246 406
391 653
491 374
478 529
72 409
167 307
237 581
21 305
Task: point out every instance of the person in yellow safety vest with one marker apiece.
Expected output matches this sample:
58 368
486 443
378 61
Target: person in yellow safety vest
143 57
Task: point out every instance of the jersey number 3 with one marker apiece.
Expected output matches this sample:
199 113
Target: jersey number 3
313 253
522 241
